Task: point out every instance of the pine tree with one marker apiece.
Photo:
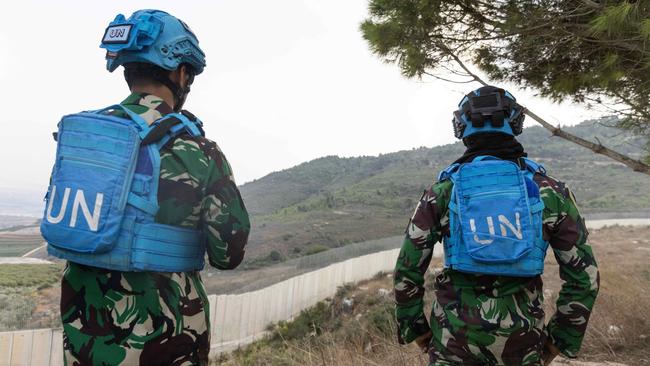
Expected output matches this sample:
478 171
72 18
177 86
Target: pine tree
593 52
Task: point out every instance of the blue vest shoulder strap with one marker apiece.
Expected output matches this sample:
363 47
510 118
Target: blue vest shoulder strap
534 166
171 126
531 165
142 125
447 172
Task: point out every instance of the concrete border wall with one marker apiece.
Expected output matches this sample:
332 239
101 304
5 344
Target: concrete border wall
235 320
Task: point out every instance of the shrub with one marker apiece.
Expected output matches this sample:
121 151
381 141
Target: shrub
381 318
309 321
275 256
17 307
316 248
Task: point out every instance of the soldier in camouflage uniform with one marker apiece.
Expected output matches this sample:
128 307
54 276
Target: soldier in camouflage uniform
490 319
159 318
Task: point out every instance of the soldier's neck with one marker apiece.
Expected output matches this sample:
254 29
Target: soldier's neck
157 90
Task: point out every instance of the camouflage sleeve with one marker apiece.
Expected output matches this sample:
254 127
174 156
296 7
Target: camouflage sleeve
567 235
423 231
224 218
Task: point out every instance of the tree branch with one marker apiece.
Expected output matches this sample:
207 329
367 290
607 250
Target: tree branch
449 80
598 148
592 4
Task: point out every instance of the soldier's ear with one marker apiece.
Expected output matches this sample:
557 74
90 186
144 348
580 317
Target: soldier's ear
182 76
187 75
176 76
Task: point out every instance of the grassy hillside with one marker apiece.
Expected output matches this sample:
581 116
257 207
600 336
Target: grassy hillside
334 201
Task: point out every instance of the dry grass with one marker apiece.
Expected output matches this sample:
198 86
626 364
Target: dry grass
620 324
362 334
365 334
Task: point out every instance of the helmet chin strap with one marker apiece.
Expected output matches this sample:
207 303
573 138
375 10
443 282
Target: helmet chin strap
179 94
162 76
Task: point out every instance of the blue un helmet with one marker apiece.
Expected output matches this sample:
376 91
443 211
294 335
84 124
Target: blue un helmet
151 36
154 40
488 109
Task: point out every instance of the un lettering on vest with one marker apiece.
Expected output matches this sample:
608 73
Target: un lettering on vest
79 202
504 224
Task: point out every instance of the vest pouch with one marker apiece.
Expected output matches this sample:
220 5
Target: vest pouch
165 248
494 214
90 182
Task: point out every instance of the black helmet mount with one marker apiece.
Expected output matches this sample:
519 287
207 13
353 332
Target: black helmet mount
487 109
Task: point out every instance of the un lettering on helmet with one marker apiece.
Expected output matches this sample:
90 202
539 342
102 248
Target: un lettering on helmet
154 37
117 34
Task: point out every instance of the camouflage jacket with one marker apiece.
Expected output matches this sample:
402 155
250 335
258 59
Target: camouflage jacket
495 320
149 318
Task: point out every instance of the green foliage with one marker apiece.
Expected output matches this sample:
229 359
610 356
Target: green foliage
18 286
316 248
612 19
330 324
344 290
17 306
276 256
644 29
308 322
29 275
587 51
269 259
646 275
325 316
380 317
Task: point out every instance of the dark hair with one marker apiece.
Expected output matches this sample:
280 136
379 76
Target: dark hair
138 72
494 137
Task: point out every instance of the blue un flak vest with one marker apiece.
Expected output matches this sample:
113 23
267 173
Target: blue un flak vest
103 195
495 218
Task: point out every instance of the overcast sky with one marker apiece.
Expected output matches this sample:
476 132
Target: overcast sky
286 82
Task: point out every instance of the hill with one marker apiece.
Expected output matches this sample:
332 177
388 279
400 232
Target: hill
333 201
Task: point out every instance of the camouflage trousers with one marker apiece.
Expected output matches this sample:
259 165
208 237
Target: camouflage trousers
488 357
133 318
440 362
437 360
471 328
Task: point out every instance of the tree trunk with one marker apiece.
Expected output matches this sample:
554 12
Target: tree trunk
598 148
